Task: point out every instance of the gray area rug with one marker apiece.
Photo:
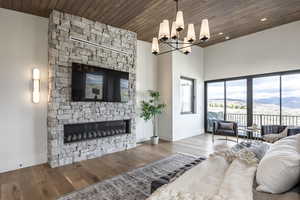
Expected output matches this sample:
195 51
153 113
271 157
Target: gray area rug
133 185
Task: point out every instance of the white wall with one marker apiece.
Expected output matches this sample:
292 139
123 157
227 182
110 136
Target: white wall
23 125
172 124
146 79
272 50
191 66
164 75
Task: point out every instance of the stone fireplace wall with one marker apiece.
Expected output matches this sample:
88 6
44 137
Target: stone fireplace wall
61 110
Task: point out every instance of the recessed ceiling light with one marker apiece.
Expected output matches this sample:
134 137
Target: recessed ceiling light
263 19
227 38
221 33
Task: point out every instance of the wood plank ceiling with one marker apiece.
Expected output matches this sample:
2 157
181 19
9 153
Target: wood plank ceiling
233 18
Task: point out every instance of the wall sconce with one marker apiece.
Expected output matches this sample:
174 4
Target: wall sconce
36 85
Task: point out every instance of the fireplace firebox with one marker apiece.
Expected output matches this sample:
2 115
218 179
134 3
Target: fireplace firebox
94 130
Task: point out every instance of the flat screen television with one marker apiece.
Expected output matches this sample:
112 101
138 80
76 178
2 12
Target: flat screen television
91 83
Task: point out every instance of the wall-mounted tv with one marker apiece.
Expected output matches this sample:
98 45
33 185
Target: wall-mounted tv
91 83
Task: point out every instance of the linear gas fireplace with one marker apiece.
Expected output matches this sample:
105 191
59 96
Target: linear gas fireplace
94 130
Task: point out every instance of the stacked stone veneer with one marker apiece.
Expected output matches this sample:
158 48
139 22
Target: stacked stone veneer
61 109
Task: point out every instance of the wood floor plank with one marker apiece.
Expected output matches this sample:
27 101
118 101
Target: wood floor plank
43 183
11 191
41 180
59 181
28 186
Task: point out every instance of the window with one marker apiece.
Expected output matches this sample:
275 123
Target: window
266 100
187 95
236 101
290 100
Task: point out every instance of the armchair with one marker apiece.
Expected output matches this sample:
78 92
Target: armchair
225 128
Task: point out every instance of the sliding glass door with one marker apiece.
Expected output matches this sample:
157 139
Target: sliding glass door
236 101
233 94
271 99
215 103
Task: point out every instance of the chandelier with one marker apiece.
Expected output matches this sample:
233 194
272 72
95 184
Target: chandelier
173 40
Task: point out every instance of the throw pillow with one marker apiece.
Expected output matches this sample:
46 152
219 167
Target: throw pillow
259 148
227 126
271 138
279 169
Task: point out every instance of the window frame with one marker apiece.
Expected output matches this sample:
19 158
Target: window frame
193 96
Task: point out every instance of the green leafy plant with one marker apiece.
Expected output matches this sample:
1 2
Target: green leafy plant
152 108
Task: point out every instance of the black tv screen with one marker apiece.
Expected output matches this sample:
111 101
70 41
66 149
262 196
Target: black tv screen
91 83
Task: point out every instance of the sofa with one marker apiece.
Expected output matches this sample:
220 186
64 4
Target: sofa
276 129
293 194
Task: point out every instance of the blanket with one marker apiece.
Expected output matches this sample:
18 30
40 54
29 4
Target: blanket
225 175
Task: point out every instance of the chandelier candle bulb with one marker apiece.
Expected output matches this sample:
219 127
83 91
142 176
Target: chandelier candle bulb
155 48
204 31
173 31
160 32
191 36
179 21
166 30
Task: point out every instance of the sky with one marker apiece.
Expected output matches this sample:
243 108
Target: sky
264 87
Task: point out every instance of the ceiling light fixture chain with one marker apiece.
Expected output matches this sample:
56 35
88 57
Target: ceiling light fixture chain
172 38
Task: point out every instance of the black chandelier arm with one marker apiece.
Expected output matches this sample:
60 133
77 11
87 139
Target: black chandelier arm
176 49
176 42
179 42
169 44
191 44
165 52
173 49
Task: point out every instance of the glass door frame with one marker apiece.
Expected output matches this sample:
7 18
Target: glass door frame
206 103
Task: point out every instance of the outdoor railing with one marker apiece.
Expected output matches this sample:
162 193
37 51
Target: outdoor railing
263 119
259 119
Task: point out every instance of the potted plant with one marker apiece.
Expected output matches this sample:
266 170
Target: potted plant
150 110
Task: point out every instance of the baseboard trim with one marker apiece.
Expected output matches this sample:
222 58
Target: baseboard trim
165 139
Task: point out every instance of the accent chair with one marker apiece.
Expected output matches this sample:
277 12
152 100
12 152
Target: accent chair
225 128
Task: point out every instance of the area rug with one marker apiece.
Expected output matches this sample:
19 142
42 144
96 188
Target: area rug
133 185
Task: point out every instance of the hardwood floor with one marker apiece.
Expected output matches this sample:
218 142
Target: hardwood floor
43 183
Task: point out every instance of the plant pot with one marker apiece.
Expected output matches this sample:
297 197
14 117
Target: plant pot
154 140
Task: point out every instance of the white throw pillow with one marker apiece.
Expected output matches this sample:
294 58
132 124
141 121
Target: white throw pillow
279 170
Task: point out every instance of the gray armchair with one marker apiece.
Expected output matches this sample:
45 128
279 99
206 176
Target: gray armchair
225 128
